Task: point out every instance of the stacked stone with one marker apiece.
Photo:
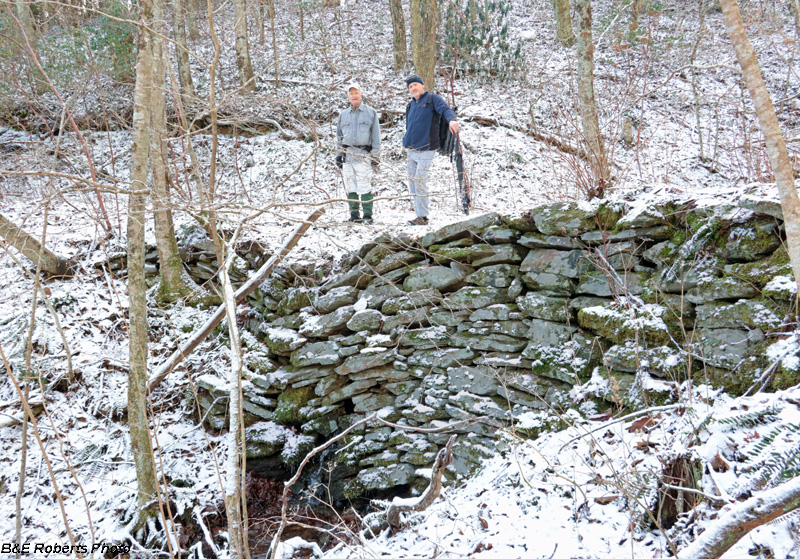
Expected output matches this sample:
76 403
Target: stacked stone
196 250
494 317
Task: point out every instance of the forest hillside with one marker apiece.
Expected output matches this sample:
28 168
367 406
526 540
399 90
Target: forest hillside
157 157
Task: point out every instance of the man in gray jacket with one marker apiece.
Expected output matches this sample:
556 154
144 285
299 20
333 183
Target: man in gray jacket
358 136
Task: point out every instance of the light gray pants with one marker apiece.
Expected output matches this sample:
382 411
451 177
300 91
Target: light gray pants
419 165
357 173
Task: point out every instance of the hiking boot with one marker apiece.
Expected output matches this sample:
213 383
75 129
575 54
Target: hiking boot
367 220
419 220
354 217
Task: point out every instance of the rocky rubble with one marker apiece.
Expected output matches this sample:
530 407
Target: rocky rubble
489 319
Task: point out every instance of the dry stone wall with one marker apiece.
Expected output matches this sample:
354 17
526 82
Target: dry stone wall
500 317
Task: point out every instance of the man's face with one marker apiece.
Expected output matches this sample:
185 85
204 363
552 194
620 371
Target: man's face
355 97
416 89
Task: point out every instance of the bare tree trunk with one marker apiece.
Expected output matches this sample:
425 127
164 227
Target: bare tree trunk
193 10
33 249
182 50
756 511
776 147
172 285
28 29
795 7
398 35
426 65
302 21
415 9
242 46
587 104
564 32
235 502
137 288
275 55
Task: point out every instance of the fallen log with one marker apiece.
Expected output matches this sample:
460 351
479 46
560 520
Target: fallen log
250 286
33 249
558 143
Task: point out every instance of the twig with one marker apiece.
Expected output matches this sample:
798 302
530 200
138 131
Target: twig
697 492
620 420
443 459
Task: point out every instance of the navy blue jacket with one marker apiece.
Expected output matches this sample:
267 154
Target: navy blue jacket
422 129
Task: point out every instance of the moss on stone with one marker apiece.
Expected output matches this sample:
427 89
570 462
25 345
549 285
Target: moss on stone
289 403
620 325
760 273
204 300
749 241
607 215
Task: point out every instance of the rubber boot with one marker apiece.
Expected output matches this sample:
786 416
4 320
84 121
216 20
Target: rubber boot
353 203
366 201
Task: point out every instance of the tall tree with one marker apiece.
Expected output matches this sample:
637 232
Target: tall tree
172 285
137 288
271 15
182 50
415 11
425 63
194 9
242 46
564 32
398 35
587 104
776 146
28 38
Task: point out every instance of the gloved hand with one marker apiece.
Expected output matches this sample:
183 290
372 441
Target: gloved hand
340 160
376 165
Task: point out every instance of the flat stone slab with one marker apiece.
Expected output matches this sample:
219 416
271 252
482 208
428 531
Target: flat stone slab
500 234
441 358
537 240
601 285
366 360
500 311
336 298
744 314
725 347
376 295
564 218
554 309
441 278
317 353
487 342
426 338
283 341
320 326
477 379
478 297
502 254
559 262
657 233
368 319
476 225
498 275
372 402
722 288
412 300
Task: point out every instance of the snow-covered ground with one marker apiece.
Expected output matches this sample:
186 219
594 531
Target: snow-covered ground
587 488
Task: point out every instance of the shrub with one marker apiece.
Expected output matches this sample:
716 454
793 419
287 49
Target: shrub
475 35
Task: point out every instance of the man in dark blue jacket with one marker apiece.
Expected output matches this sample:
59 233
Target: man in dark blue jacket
422 141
